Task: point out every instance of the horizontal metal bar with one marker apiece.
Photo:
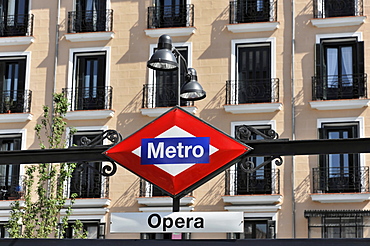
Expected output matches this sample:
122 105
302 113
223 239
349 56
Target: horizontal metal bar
309 147
72 154
278 147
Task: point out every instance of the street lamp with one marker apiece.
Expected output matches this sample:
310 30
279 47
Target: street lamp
164 60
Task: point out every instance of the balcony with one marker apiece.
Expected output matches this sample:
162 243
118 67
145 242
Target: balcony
347 13
170 16
351 86
340 185
252 96
90 21
92 185
84 99
341 180
16 25
12 187
252 11
252 188
15 101
157 99
252 16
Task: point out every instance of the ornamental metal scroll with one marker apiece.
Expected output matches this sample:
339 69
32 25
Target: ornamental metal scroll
111 135
243 134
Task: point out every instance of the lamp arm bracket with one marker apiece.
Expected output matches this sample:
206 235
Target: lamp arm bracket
177 53
112 135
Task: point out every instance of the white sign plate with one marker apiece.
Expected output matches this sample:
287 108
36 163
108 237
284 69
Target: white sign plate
203 222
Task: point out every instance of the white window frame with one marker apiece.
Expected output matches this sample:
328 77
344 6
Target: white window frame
271 123
71 81
250 42
151 75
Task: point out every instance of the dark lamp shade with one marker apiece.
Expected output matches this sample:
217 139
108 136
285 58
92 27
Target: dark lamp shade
192 90
163 59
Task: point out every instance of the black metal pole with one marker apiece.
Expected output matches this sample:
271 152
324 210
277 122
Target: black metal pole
176 204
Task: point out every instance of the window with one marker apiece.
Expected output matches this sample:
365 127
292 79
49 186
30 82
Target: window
335 8
163 91
94 229
91 16
10 183
3 231
337 224
12 84
264 180
256 228
169 13
14 17
86 181
90 89
339 69
340 172
253 75
253 11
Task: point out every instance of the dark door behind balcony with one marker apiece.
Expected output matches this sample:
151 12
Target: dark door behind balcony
337 8
90 15
171 13
90 91
12 84
340 172
9 174
254 73
86 182
339 69
14 17
253 11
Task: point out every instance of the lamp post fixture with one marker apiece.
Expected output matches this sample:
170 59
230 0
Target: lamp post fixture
164 60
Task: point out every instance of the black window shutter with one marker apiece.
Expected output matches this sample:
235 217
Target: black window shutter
271 224
318 85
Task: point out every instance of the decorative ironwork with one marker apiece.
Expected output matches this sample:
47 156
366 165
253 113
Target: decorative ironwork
252 11
164 95
89 98
171 16
16 25
252 91
349 86
337 8
90 21
106 170
14 101
243 134
340 180
12 187
260 182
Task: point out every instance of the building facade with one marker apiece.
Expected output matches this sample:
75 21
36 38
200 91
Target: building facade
295 67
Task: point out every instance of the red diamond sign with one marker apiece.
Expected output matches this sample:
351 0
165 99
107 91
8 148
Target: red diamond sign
177 152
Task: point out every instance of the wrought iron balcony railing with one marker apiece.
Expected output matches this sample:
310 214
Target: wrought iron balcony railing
12 187
171 16
340 180
252 91
252 11
89 98
337 8
92 185
164 95
16 25
90 21
260 182
349 86
15 101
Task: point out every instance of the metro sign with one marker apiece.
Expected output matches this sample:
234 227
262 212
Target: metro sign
177 152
